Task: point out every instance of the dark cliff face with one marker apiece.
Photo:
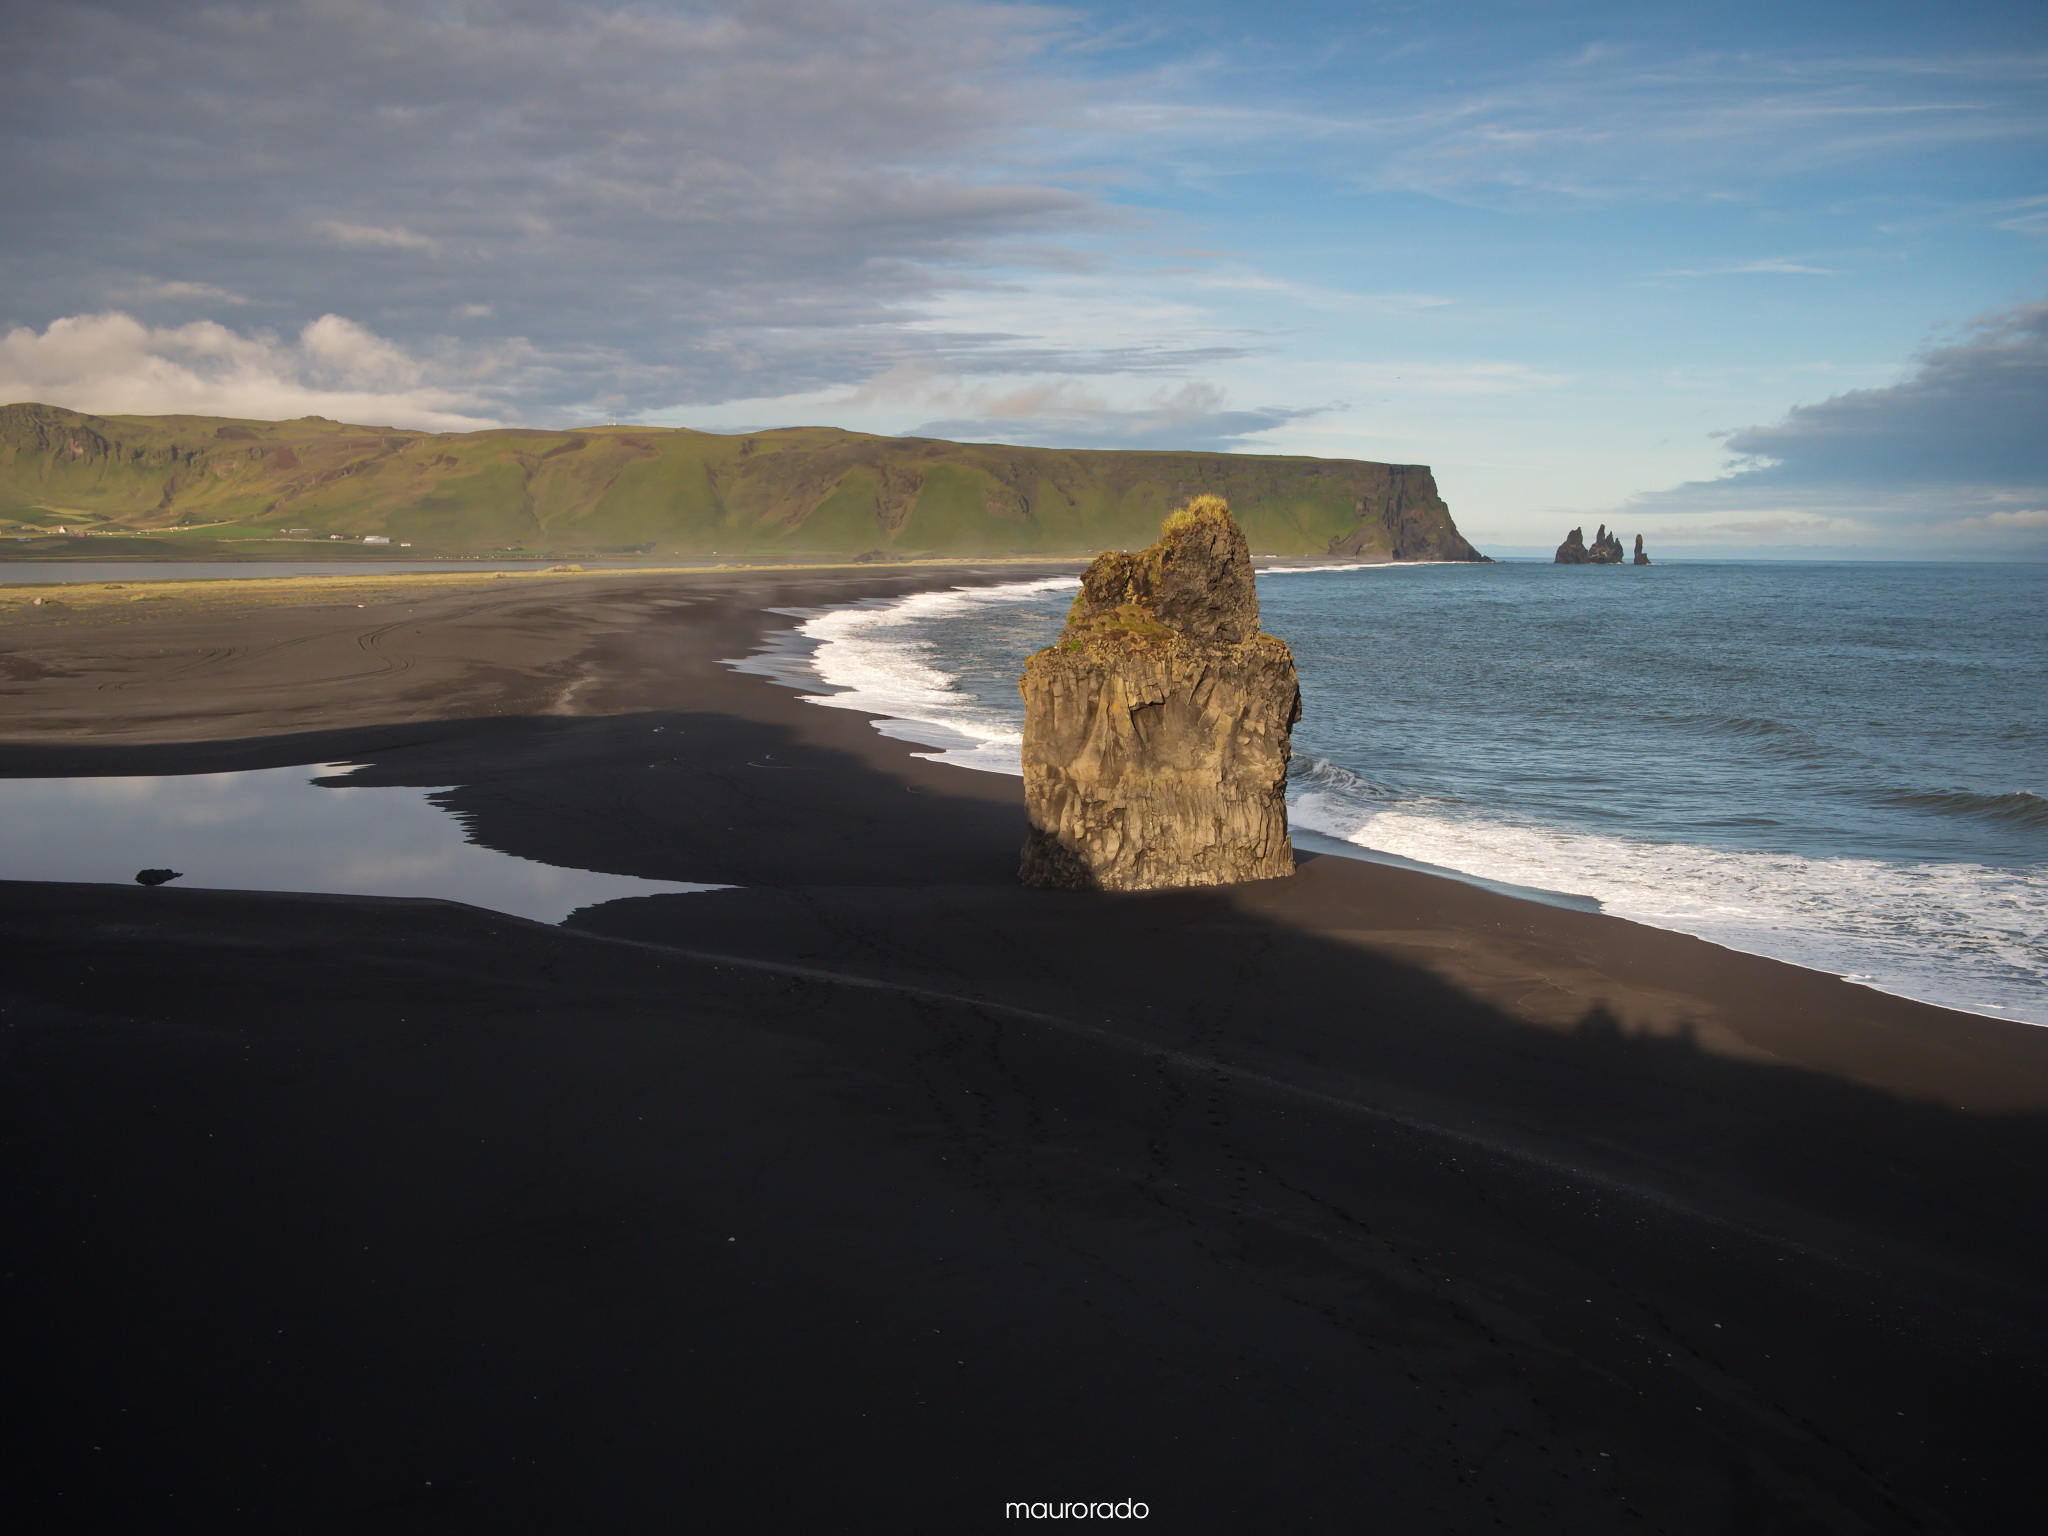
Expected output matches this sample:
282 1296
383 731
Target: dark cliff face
1605 550
1156 729
1407 521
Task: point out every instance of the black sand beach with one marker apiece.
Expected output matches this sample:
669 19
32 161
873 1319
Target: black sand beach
881 1191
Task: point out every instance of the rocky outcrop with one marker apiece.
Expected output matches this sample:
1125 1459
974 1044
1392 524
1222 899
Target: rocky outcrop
1405 520
1606 549
1156 728
1641 557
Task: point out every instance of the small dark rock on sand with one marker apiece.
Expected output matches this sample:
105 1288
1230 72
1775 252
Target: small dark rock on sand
157 876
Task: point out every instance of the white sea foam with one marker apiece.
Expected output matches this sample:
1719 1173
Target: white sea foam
1963 935
1361 565
1314 570
880 663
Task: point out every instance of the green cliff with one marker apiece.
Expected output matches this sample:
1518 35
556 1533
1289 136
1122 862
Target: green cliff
205 486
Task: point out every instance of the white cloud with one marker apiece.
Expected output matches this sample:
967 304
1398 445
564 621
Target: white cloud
377 236
1783 528
2031 520
1062 413
152 290
2029 217
673 202
1741 268
1241 279
1602 126
340 349
1899 526
1958 443
113 364
1626 125
1970 413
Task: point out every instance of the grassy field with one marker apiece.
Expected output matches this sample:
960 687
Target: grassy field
152 487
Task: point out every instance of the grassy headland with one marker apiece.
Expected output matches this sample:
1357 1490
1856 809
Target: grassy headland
200 487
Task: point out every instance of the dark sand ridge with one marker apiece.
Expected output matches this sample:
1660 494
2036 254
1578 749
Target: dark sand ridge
1360 1200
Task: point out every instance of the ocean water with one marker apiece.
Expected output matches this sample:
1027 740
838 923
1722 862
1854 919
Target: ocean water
1839 765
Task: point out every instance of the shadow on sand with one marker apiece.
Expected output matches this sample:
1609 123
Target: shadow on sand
882 1191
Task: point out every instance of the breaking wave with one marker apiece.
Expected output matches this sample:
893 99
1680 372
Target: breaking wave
1951 927
1961 934
890 658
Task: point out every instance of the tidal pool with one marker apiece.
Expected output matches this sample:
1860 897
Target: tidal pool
276 830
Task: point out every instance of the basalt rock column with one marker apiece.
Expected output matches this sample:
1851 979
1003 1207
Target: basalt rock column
1606 548
1641 557
1156 728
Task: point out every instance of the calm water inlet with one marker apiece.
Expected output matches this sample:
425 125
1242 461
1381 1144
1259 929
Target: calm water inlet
278 829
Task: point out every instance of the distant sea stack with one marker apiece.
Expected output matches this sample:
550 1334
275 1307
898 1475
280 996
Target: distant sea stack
1156 727
1641 557
1606 549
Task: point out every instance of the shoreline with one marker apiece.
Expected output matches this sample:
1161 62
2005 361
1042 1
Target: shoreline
192 733
1238 1199
246 588
193 738
795 666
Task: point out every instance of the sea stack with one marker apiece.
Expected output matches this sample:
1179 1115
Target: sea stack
1606 548
1641 558
1156 727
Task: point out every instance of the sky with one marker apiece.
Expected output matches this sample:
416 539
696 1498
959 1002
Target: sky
1763 279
